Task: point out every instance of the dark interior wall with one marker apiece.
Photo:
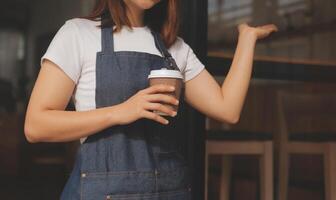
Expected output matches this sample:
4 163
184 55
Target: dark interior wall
194 32
194 25
46 18
14 14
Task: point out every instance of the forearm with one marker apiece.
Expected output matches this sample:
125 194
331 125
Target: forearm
235 86
63 126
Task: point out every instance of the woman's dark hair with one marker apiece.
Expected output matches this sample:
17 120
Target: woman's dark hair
162 18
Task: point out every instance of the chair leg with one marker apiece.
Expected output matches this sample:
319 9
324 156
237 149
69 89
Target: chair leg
330 171
283 174
224 193
266 172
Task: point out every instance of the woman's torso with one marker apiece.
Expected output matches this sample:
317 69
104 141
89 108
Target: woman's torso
75 47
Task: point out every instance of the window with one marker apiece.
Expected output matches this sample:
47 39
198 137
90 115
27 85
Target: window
11 53
306 33
291 6
230 12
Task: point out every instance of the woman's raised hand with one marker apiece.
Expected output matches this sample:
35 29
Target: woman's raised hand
147 100
258 32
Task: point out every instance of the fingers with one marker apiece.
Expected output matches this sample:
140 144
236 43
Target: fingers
155 117
154 94
161 108
266 30
160 88
270 27
163 98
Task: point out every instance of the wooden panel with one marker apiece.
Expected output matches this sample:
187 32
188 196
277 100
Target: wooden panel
259 112
277 70
234 148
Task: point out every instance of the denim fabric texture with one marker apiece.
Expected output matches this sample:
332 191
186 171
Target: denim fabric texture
141 160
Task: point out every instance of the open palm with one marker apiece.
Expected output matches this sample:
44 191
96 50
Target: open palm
259 31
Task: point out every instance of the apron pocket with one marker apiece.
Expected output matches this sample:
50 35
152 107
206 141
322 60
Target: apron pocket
171 195
172 184
95 186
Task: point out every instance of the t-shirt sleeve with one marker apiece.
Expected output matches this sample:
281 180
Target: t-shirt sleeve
193 65
65 51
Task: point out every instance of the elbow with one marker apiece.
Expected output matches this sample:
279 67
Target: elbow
230 119
234 120
31 133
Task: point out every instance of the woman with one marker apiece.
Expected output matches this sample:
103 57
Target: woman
128 151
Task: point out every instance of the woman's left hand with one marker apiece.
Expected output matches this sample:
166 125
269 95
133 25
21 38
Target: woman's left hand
259 32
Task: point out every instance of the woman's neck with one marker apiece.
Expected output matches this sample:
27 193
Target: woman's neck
136 16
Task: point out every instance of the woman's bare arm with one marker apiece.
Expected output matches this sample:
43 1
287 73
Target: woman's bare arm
225 103
47 120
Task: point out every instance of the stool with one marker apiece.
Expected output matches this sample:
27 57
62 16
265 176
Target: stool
306 126
220 142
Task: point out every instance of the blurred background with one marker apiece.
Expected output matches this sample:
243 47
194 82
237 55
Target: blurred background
282 148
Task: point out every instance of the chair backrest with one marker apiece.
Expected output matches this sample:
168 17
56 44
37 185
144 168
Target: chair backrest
11 135
306 112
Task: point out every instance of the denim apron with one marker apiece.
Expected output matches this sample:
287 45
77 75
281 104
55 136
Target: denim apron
141 160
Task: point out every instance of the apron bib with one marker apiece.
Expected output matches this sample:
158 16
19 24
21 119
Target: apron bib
141 160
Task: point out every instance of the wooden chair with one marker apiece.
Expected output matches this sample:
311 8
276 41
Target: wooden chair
306 126
228 143
11 135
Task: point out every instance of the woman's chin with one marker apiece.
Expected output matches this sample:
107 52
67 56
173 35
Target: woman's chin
148 4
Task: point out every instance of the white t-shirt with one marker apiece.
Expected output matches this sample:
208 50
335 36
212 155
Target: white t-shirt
76 44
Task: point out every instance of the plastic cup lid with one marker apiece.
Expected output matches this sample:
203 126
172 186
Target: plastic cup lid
165 73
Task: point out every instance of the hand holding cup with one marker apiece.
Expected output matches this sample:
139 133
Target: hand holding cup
171 78
144 102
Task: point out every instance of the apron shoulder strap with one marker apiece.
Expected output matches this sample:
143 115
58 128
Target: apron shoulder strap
164 51
160 45
107 40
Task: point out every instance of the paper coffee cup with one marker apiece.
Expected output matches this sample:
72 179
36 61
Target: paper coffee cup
167 77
